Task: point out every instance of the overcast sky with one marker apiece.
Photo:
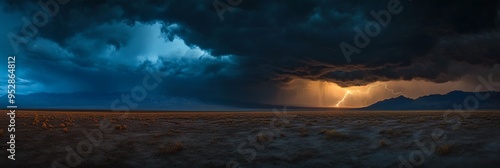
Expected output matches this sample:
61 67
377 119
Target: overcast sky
276 52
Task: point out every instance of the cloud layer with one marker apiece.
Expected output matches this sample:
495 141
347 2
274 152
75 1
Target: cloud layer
259 47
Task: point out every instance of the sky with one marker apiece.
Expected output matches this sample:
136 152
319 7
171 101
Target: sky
273 52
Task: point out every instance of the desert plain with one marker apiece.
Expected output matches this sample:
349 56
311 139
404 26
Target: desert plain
274 138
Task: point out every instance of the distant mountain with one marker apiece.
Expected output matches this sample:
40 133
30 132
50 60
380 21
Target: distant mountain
103 101
437 102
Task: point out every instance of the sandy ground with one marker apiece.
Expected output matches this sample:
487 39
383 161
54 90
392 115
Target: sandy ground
253 139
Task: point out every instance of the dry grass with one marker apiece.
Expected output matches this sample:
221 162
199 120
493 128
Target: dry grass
370 137
171 148
389 131
263 137
35 119
394 132
279 123
333 134
303 132
444 149
174 131
382 143
323 131
120 127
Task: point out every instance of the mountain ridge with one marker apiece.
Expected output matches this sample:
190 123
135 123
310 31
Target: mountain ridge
439 101
103 101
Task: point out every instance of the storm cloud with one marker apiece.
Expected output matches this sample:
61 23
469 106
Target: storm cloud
260 45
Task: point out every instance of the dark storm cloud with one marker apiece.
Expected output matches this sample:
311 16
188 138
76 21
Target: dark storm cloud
278 41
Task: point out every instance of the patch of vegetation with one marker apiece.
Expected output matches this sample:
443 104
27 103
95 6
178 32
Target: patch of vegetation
120 127
264 137
171 148
303 132
333 134
444 149
382 143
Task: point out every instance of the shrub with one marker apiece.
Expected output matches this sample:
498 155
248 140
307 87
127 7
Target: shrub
382 143
323 131
264 137
303 132
118 127
171 148
443 149
389 131
332 134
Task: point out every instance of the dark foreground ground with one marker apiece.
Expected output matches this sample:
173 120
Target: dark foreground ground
253 139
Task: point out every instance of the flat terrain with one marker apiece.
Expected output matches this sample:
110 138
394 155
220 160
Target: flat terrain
254 139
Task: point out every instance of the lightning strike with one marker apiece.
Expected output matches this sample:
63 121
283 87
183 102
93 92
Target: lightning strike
349 92
345 96
392 91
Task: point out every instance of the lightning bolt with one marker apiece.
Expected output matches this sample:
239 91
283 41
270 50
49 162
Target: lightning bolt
391 90
349 92
343 99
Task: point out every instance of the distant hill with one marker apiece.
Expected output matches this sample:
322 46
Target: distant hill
436 102
102 101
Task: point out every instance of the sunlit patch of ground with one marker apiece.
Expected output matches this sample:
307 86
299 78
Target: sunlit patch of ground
297 139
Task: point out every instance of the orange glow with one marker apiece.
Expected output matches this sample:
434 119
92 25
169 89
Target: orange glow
343 98
309 93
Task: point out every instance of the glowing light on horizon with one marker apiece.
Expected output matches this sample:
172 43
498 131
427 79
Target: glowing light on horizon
392 91
350 92
308 93
343 99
